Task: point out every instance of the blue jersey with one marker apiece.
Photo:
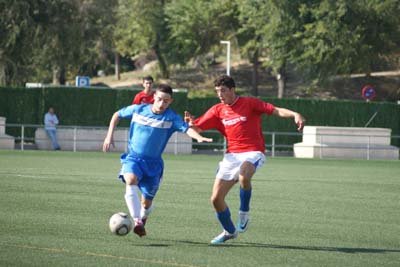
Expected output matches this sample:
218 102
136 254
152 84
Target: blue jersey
149 132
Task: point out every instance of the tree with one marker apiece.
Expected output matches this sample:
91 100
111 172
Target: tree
78 37
267 27
347 36
97 24
53 40
321 38
279 38
141 27
196 27
252 16
61 48
18 21
343 37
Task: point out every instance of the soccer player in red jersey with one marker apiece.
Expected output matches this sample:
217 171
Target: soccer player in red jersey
239 120
145 96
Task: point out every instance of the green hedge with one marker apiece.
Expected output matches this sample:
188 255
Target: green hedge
94 107
340 113
336 113
79 106
320 112
19 105
74 106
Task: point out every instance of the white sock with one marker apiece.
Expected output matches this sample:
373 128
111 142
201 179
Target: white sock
144 213
133 201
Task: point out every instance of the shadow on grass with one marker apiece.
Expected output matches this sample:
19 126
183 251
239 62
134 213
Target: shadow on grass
287 247
318 248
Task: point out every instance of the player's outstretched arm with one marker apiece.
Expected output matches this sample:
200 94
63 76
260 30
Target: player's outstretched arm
195 135
189 118
287 113
109 140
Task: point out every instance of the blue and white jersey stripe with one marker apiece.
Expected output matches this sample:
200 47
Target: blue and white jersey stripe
149 132
137 118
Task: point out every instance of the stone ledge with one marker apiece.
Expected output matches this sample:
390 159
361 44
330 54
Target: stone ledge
92 140
346 142
6 141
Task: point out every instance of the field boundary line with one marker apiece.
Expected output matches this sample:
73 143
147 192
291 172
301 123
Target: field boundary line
92 254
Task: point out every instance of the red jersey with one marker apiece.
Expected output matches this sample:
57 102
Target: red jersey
143 98
240 123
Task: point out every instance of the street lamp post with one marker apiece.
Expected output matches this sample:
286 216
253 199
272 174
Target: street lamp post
228 56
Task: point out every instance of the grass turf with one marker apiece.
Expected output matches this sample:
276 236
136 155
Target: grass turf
55 206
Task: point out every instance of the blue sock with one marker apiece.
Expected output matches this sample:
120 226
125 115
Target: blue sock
245 196
224 218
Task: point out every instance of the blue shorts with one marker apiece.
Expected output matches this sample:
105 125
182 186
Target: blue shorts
148 171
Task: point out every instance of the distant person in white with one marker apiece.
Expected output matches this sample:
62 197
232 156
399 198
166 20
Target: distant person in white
50 123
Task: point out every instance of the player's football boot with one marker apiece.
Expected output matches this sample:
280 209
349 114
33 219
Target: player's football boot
144 220
139 229
224 236
243 221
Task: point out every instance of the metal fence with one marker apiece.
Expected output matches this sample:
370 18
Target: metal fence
277 143
25 139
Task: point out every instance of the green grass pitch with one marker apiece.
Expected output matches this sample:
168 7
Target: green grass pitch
55 206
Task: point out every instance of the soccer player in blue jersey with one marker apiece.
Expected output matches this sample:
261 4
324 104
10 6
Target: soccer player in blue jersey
142 167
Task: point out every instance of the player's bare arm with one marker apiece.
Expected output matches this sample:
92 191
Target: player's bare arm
195 135
189 118
109 140
287 113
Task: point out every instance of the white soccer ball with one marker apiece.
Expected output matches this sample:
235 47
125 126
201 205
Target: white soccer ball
120 223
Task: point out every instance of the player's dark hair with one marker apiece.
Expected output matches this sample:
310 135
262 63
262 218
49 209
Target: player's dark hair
165 88
148 78
225 80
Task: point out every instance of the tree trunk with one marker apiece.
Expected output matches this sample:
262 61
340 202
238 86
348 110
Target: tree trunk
59 75
63 77
163 65
160 57
281 79
117 66
56 79
254 78
3 77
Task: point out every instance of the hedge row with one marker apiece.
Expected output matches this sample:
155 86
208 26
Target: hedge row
338 113
74 106
94 107
321 113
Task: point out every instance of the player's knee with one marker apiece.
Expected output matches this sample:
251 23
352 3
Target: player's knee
130 179
247 169
215 200
146 203
245 182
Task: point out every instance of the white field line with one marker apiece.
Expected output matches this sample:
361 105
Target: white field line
91 254
25 175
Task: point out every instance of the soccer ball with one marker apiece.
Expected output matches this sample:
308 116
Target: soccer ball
120 223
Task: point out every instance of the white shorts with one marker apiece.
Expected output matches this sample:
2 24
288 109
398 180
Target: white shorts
229 167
